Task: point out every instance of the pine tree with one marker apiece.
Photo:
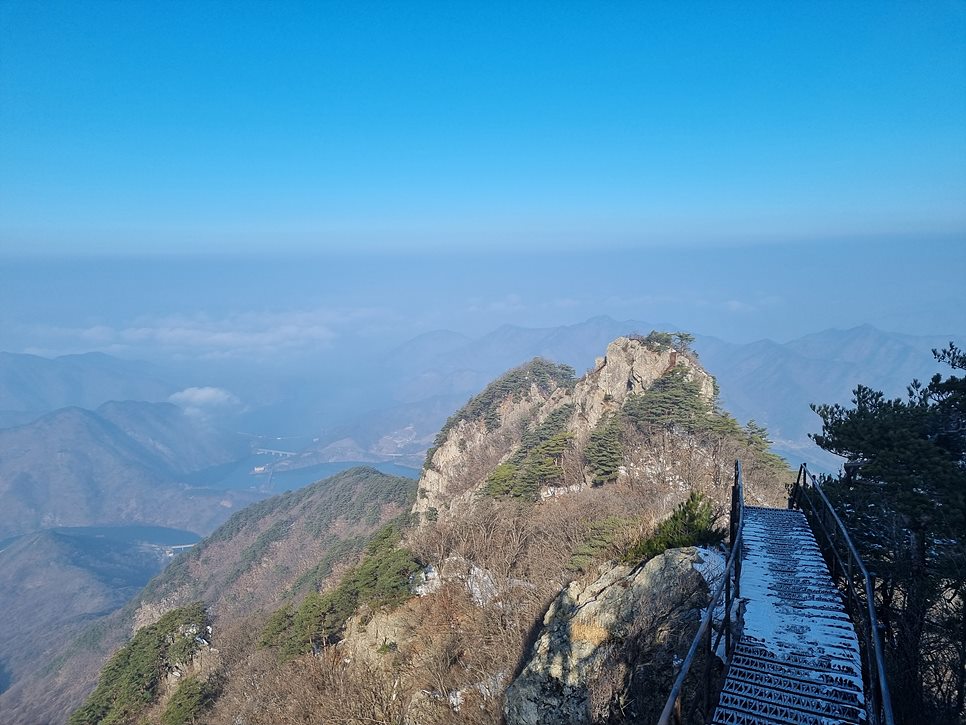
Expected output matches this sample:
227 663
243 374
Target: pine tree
604 452
904 498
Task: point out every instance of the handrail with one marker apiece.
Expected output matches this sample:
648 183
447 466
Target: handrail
875 660
672 708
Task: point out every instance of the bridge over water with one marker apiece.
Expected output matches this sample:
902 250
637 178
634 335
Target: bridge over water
799 640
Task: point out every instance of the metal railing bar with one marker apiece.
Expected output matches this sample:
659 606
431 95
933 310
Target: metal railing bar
846 567
686 664
671 706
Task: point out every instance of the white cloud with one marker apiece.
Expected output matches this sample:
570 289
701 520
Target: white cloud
565 303
510 302
206 401
206 396
739 306
239 333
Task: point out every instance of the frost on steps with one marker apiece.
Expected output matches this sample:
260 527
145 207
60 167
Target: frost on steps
798 659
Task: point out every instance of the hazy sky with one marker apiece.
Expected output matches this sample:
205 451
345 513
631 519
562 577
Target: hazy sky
212 176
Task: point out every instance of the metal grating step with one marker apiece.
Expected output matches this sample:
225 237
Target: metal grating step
807 688
749 711
818 702
787 668
810 663
798 660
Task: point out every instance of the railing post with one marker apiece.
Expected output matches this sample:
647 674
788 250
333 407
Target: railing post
737 577
707 672
796 491
830 529
737 509
853 605
735 512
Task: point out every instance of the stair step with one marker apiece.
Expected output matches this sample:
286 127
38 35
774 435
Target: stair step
798 660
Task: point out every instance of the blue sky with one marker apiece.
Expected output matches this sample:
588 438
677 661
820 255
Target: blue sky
145 128
173 173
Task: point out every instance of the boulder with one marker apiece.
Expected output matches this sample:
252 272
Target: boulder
600 640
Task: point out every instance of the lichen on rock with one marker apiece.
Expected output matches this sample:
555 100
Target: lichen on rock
609 645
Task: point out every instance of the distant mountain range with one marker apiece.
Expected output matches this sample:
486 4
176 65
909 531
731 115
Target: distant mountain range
775 383
388 407
31 385
123 463
770 382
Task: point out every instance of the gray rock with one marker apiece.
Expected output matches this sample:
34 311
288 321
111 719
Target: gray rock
596 637
471 451
477 580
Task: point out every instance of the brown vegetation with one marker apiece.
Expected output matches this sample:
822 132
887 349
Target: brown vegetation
499 558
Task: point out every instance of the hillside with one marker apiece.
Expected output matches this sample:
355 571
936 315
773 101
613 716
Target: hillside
174 438
282 547
121 464
272 552
541 480
54 583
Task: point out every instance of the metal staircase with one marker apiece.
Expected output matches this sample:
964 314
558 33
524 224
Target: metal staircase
798 659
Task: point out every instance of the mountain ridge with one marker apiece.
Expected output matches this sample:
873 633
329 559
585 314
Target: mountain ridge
33 385
766 380
68 467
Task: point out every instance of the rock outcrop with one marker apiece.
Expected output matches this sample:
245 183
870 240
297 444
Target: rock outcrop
471 446
478 582
630 367
472 449
599 639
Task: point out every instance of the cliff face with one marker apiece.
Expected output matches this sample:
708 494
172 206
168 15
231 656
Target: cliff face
631 367
471 448
459 466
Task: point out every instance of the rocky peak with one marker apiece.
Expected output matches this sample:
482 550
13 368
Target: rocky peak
629 367
474 440
491 427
